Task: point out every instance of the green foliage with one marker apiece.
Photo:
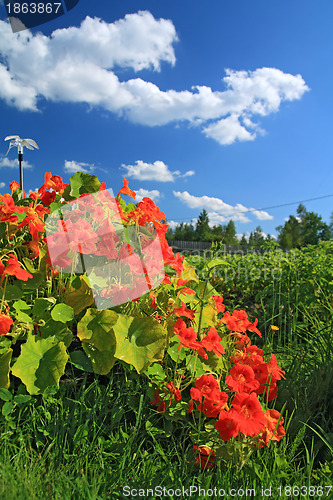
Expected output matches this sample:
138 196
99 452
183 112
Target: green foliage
41 363
307 228
62 313
5 359
81 183
203 232
140 341
98 338
284 289
202 226
256 237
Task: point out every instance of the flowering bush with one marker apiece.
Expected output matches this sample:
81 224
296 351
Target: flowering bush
229 381
160 319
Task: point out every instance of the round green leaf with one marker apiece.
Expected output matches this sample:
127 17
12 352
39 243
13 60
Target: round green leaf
41 363
13 292
5 395
140 341
7 408
56 330
62 312
156 371
41 305
83 183
20 399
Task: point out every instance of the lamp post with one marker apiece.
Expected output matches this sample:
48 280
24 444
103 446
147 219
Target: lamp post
15 140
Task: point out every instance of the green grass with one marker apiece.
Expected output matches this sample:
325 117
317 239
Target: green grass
91 439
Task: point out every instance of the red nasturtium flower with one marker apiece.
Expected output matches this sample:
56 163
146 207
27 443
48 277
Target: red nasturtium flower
13 268
238 322
247 411
274 369
13 186
183 311
7 208
161 407
268 374
207 392
212 342
52 182
227 425
126 190
48 197
187 336
250 355
5 324
177 263
33 219
241 379
273 431
185 290
218 302
205 456
204 386
156 399
175 391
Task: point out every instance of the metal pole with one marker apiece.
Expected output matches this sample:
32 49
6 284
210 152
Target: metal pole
20 159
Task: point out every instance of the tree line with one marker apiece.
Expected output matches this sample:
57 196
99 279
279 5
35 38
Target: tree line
306 228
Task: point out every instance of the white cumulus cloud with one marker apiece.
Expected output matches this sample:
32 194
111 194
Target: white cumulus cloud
141 193
75 166
219 211
2 185
6 162
228 130
172 224
80 65
261 214
157 171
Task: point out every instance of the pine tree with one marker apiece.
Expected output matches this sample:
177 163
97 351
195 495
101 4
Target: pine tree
243 240
202 227
256 237
230 234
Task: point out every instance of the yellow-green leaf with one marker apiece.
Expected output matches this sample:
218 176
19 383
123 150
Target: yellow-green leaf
41 363
5 359
208 318
140 341
79 298
57 330
62 312
98 339
188 273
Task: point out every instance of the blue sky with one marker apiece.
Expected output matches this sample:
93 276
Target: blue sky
225 106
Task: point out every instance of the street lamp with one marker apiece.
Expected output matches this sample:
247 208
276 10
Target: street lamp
15 140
